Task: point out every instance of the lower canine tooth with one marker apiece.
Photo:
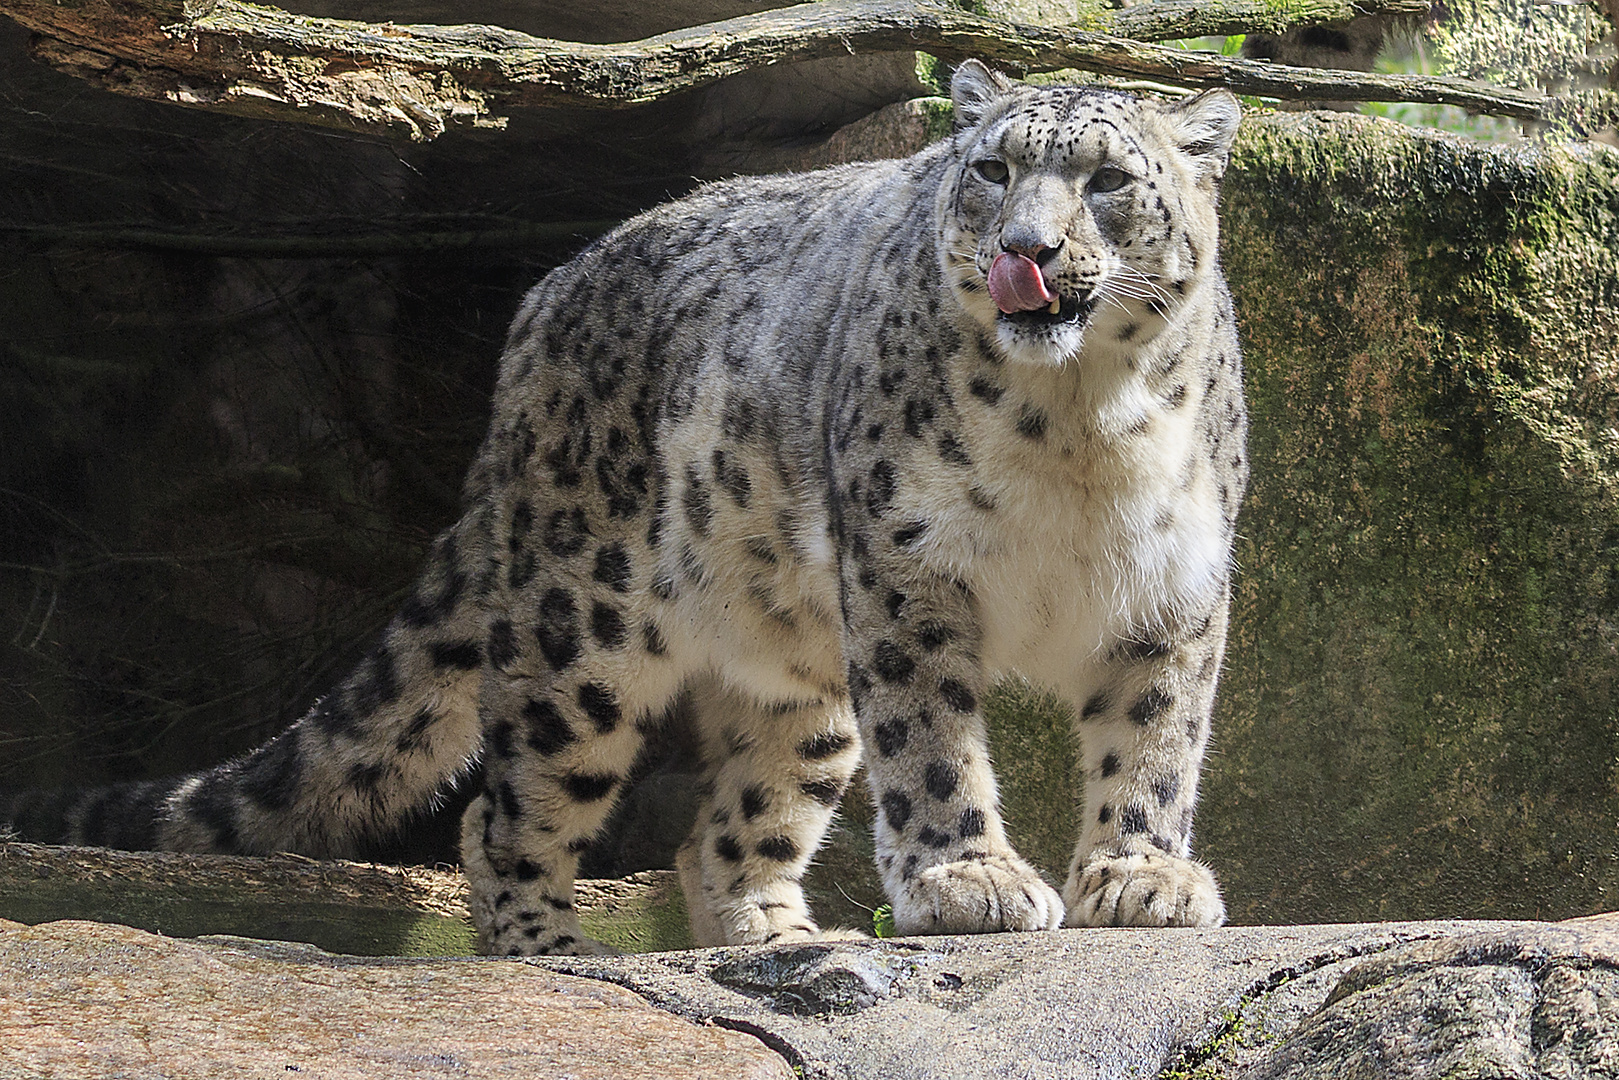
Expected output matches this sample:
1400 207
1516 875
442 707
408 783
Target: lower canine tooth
1056 306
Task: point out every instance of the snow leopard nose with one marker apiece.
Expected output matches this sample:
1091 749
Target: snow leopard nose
1029 243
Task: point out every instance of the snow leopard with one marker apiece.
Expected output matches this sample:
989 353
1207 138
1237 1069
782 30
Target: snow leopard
829 453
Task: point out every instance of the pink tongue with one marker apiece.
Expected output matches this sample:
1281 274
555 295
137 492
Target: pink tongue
1015 284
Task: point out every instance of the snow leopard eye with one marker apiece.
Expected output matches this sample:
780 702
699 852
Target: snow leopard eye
991 170
1107 178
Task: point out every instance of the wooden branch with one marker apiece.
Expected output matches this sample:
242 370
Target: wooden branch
1166 20
1038 48
415 81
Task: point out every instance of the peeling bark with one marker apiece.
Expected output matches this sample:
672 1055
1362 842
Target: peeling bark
415 82
1165 20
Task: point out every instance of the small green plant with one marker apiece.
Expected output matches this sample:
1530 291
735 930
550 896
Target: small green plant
1209 1061
1226 46
882 921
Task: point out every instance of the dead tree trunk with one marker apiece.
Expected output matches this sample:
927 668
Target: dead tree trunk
416 81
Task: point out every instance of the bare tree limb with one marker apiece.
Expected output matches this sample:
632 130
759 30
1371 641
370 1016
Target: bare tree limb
414 81
1165 20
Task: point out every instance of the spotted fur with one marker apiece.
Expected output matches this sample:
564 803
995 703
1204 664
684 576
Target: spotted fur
773 445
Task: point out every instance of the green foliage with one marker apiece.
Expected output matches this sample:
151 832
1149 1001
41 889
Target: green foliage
882 921
1198 44
933 73
1229 45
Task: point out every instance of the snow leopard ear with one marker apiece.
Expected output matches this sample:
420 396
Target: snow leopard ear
974 89
1204 126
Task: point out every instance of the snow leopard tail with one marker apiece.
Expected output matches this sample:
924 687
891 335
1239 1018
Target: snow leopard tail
368 754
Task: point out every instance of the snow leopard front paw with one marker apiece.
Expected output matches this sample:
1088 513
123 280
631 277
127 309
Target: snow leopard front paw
1143 890
977 896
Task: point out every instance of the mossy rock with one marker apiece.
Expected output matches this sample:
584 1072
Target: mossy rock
1418 717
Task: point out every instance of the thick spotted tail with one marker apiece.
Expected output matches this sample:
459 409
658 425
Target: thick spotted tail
368 754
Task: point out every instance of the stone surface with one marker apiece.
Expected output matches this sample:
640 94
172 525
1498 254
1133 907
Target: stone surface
1072 1004
1468 1001
88 999
1529 1002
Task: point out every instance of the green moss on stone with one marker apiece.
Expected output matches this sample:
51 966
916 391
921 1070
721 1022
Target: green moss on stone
1092 16
431 935
649 918
1418 717
335 927
1031 745
842 885
933 73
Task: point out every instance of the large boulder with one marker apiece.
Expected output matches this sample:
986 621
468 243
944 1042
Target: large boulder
1419 714
1487 1001
93 999
1493 1004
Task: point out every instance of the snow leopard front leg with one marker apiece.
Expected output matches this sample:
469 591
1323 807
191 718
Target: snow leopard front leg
916 680
1143 730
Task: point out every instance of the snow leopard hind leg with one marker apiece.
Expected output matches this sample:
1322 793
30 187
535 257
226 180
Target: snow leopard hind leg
567 704
775 774
556 758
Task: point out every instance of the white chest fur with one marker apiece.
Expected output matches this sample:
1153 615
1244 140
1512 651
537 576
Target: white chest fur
1106 526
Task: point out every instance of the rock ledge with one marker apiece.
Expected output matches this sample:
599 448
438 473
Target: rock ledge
1459 999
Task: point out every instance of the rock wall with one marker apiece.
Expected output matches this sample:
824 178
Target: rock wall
1419 716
